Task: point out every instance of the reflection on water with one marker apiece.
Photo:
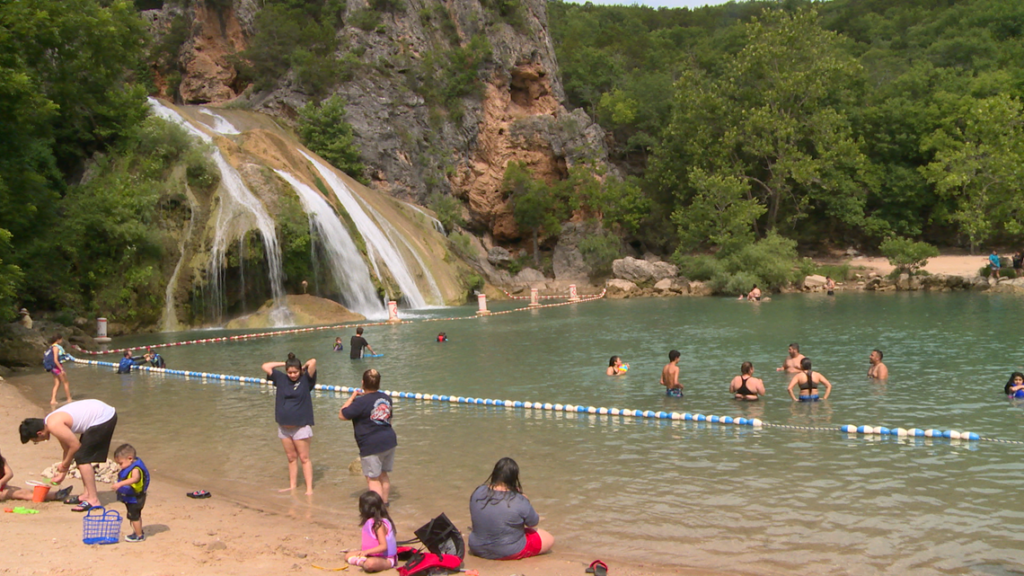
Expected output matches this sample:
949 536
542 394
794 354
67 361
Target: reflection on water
688 494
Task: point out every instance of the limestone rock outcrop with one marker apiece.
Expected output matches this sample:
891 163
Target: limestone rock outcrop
636 270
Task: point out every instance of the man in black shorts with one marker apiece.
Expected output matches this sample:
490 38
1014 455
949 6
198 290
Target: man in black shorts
95 422
356 345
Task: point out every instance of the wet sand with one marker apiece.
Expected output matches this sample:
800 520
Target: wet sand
216 536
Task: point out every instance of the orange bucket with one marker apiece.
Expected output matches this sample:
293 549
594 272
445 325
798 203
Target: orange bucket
39 492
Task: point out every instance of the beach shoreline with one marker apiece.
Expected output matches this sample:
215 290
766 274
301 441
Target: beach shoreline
216 536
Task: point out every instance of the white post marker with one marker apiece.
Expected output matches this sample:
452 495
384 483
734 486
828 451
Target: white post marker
393 312
534 298
573 297
101 331
482 301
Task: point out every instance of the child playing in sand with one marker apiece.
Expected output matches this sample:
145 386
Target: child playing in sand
379 550
12 493
132 483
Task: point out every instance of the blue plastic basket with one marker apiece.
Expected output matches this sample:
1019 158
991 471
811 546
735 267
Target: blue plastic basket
104 527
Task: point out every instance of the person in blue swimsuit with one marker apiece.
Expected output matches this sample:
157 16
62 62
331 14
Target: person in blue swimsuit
1015 386
993 264
808 382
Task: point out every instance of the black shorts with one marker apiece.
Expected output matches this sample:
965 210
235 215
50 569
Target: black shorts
96 443
135 510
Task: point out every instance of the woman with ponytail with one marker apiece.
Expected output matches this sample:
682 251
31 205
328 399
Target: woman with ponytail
294 414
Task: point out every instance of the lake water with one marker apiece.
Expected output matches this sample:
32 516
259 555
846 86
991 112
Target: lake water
769 501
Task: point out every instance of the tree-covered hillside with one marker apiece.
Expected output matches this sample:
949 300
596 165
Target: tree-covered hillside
827 123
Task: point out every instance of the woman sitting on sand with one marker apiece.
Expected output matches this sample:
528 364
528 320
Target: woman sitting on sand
503 520
745 386
616 367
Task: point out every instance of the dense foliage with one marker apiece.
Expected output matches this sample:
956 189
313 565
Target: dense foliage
828 123
323 129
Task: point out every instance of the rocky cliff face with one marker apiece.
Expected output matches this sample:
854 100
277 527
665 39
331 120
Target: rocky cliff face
411 147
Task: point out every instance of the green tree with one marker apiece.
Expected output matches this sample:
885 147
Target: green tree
10 279
536 205
774 120
907 255
323 129
979 152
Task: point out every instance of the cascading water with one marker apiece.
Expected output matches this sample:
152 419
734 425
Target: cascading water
344 260
433 221
377 242
391 233
239 211
220 124
170 321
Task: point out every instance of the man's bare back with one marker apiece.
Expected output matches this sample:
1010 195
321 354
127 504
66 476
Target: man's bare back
670 376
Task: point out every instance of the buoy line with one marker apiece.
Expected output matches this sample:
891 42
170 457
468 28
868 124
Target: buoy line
320 328
756 423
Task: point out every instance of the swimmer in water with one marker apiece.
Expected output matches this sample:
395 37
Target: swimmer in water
877 370
670 376
442 337
1015 385
830 286
792 364
616 367
755 294
338 346
745 386
808 382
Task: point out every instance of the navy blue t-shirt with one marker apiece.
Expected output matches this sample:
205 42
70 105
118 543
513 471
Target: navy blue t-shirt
371 421
294 405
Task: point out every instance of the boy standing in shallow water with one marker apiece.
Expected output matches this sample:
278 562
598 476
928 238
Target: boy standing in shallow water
132 484
670 376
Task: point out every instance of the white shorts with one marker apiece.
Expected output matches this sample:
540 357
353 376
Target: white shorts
294 432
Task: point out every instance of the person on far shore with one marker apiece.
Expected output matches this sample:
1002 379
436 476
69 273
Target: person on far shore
131 486
25 319
745 386
338 346
357 344
379 550
670 376
808 381
830 286
504 521
293 411
878 370
993 264
51 362
1015 386
94 421
1018 263
792 364
8 492
370 412
616 367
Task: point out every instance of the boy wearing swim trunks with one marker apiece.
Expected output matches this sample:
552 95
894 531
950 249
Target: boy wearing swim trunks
670 376
131 487
94 421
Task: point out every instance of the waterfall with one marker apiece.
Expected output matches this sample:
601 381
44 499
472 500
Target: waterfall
344 260
239 211
433 221
170 323
391 233
377 242
220 124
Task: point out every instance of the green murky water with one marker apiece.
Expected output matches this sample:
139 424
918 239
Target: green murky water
687 494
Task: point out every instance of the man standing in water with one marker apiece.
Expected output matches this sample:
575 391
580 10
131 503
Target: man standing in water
357 344
95 422
792 364
670 376
877 370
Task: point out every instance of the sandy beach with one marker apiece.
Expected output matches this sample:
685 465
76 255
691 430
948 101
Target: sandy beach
957 265
216 536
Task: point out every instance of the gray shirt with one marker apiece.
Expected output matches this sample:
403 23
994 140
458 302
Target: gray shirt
499 522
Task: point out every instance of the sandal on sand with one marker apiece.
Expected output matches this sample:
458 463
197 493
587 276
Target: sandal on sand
198 494
83 506
71 500
598 568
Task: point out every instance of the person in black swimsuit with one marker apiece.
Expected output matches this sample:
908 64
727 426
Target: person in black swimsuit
745 386
808 382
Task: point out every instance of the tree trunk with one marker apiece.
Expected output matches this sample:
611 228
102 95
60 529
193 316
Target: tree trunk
536 250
